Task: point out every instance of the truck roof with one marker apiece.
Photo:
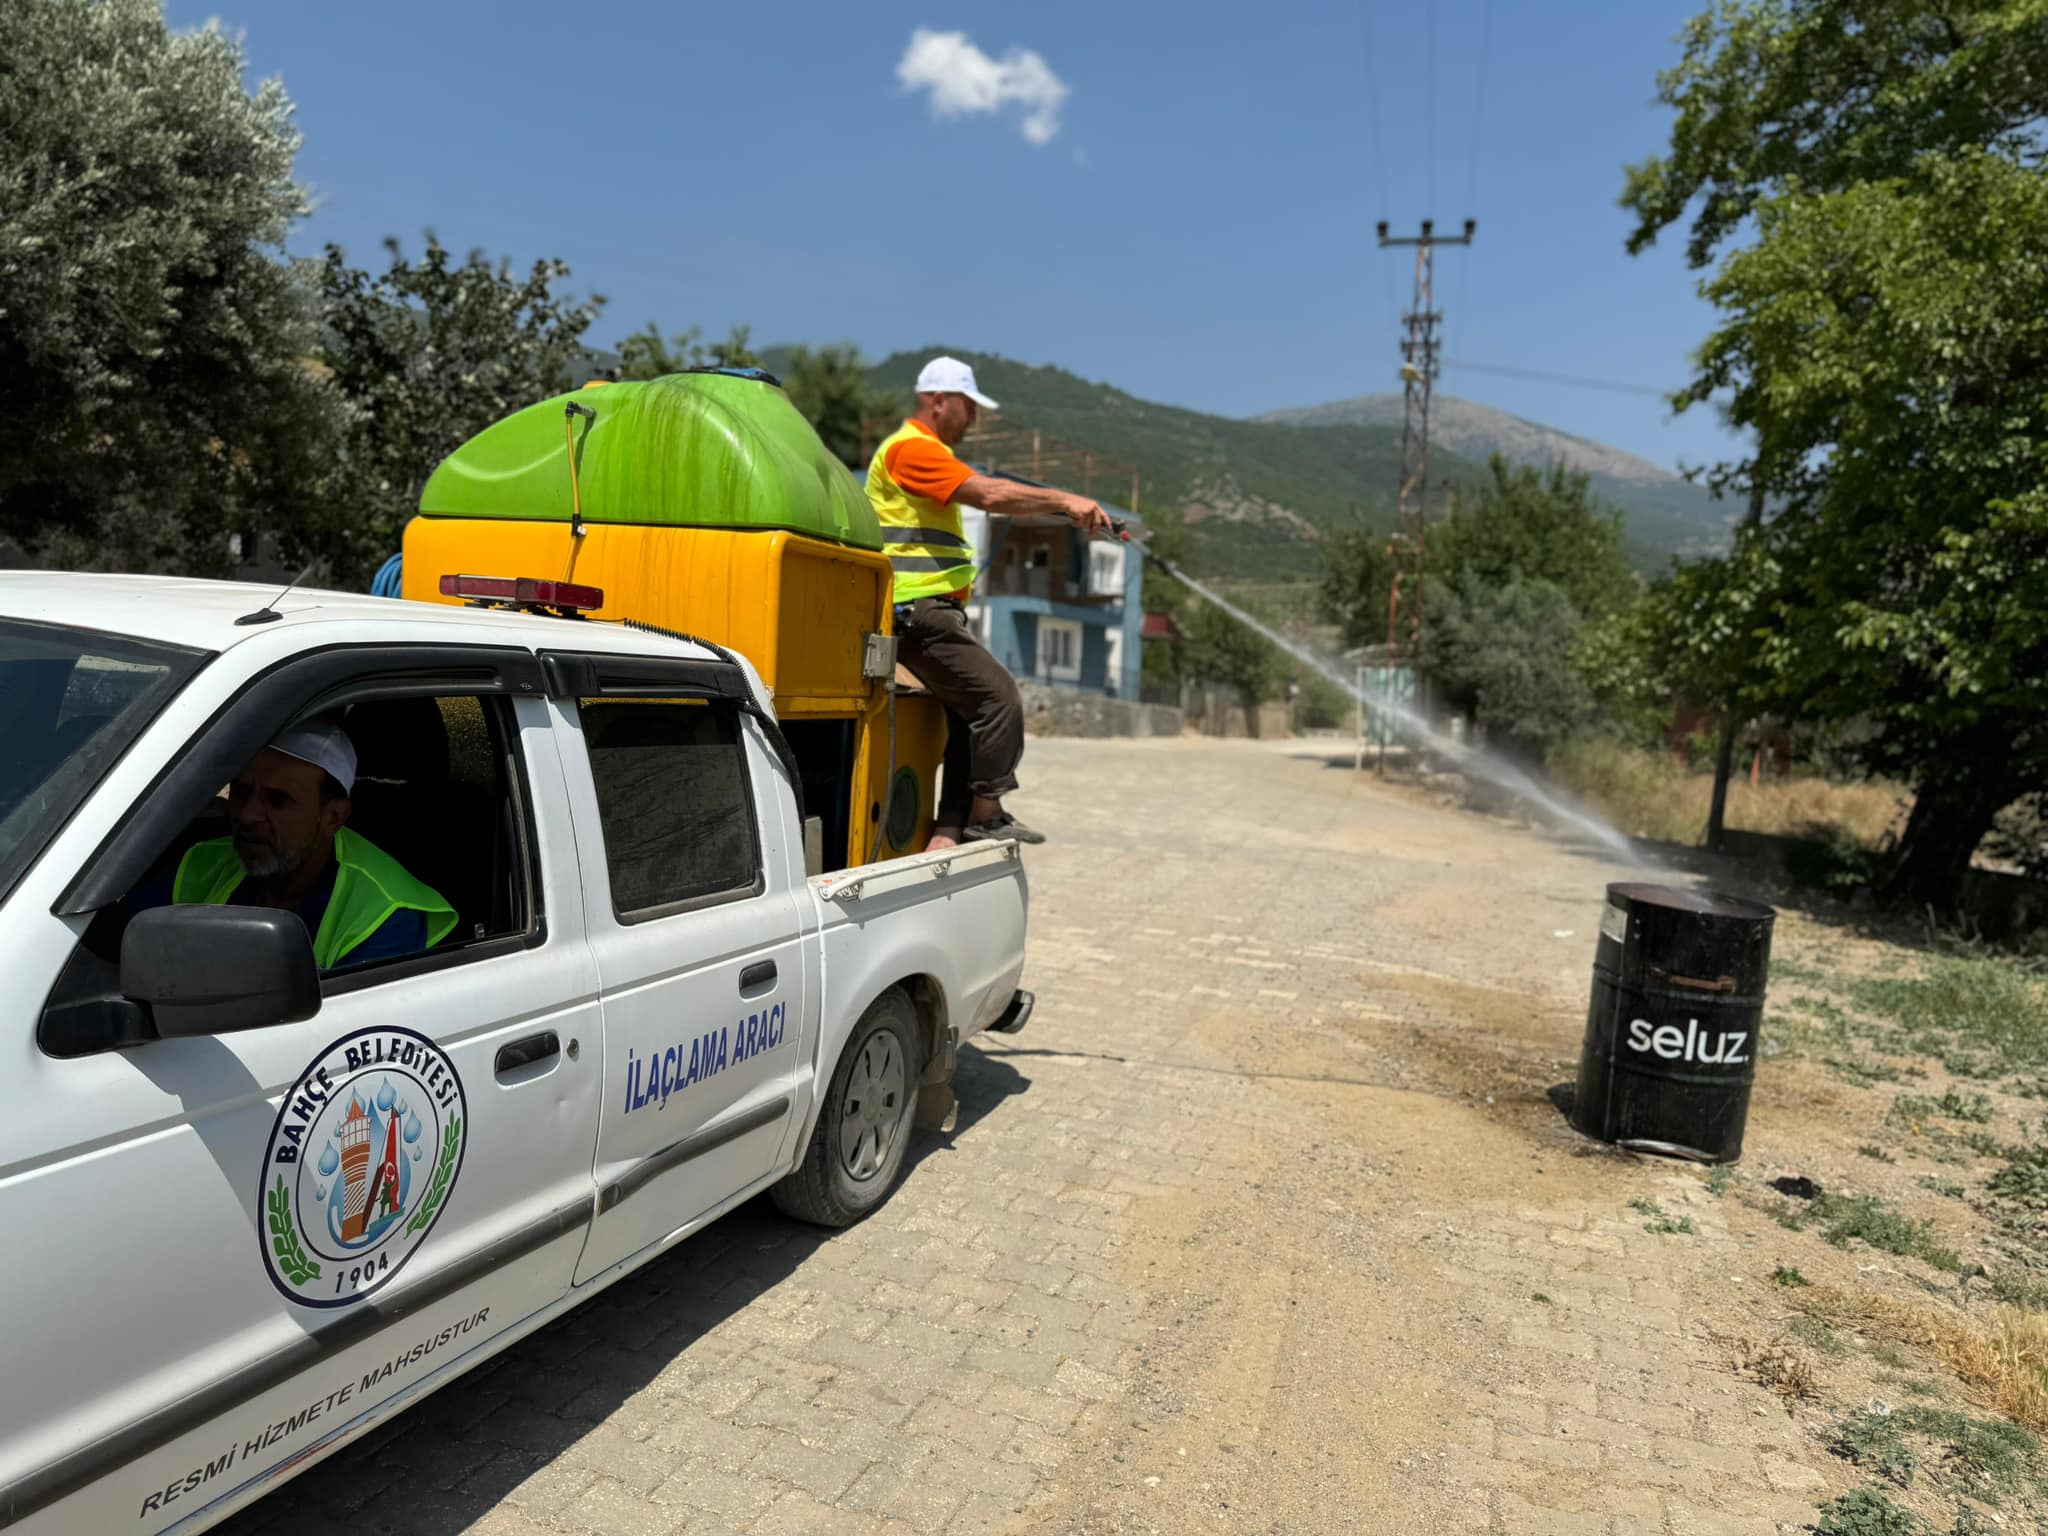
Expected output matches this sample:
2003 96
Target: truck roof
201 614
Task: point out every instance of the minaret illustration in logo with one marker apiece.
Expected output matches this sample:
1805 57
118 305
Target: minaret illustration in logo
354 1136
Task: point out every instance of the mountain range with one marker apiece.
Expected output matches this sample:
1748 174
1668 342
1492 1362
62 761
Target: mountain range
1256 497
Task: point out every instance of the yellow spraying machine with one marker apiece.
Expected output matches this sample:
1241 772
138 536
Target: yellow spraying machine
704 504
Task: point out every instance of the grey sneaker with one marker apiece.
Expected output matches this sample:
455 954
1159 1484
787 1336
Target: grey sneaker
1003 826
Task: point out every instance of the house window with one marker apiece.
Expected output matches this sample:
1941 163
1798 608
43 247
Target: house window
1059 650
1105 570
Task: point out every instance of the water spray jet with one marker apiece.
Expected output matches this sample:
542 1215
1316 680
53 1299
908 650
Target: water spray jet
1474 761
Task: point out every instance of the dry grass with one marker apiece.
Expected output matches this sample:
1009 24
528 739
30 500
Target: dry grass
1775 1367
2005 1369
1647 795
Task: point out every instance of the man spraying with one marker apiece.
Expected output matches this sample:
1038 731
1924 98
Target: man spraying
918 486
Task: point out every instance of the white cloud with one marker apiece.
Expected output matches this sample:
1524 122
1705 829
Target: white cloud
959 79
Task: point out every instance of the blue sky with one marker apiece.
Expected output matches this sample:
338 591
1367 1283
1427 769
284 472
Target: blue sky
1191 220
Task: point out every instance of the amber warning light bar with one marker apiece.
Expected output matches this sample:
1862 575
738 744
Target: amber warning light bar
527 592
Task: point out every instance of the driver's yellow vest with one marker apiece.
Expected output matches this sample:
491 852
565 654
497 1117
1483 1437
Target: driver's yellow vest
928 548
369 885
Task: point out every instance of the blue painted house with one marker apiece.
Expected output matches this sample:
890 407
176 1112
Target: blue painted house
1056 608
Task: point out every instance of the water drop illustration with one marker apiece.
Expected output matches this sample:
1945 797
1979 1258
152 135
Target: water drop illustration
385 1095
413 1128
329 1161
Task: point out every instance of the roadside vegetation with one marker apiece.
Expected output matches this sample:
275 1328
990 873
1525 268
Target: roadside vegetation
1666 796
1904 1292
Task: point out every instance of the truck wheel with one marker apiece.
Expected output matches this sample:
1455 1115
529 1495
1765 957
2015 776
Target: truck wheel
863 1129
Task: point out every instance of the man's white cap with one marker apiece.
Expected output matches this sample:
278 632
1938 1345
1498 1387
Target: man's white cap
323 744
950 376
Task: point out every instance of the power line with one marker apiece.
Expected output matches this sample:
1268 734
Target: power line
1576 381
1478 101
1472 156
1429 107
1379 143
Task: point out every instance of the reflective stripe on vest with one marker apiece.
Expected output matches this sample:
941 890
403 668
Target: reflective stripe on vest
928 548
369 885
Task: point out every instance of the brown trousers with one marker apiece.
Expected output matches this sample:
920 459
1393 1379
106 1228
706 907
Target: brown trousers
984 715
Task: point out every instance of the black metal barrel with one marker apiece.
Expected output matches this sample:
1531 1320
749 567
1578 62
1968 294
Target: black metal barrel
1671 1032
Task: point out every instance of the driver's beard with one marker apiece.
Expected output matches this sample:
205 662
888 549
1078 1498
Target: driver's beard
270 865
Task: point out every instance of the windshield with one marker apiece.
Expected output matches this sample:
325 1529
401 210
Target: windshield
70 701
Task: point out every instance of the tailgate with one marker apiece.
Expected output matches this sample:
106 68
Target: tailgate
957 915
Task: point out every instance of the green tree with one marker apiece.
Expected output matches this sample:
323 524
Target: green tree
1884 338
425 355
1827 94
1542 525
1506 654
1357 580
1706 631
1220 650
154 399
645 355
830 386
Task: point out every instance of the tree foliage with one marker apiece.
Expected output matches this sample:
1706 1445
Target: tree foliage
1827 94
423 356
154 398
1527 547
830 386
1541 525
1884 341
1357 578
645 355
1219 649
1505 654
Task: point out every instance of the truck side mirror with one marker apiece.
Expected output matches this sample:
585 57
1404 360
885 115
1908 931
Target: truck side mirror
207 970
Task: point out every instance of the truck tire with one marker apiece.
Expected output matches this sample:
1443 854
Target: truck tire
856 1150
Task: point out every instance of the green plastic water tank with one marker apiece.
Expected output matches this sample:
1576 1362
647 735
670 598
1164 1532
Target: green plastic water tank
692 450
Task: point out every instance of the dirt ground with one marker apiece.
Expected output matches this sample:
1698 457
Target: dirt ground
1368 1325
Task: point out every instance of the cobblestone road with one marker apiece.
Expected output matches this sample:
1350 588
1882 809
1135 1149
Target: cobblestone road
982 1353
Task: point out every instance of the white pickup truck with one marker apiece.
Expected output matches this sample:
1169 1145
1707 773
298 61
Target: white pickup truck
252 1209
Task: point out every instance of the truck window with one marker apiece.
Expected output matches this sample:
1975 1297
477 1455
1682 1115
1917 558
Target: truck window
70 700
436 788
436 791
673 802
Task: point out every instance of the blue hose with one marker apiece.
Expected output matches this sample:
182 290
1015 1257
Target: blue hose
386 582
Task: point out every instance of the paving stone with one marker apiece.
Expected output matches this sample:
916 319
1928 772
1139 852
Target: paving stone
737 1498
799 1514
1688 1519
920 1504
607 1508
1726 1459
818 1469
1519 1517
1790 1476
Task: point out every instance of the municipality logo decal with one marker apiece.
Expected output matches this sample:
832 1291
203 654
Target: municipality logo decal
366 1149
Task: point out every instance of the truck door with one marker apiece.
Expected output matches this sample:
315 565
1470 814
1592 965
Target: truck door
262 1236
691 884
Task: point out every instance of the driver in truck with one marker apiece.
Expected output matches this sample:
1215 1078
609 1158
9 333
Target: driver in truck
290 847
918 486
